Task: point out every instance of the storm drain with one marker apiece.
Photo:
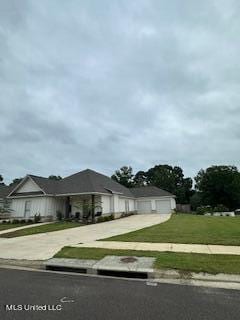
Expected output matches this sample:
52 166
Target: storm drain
123 274
128 259
70 265
127 267
66 269
112 266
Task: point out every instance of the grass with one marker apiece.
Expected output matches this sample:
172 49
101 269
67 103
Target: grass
187 228
56 226
194 262
5 226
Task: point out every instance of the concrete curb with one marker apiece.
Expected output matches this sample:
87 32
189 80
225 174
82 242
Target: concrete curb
228 281
223 281
200 283
187 275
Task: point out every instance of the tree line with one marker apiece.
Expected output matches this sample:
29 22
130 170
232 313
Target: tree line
212 186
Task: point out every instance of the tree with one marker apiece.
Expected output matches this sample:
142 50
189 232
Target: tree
171 179
15 181
5 205
53 177
219 185
165 177
124 176
140 179
1 180
196 200
184 191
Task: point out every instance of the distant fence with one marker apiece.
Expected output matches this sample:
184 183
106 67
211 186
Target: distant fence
183 207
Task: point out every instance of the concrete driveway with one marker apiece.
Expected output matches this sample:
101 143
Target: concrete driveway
44 245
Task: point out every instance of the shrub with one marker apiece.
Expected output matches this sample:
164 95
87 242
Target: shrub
126 214
105 218
15 221
195 201
4 221
204 209
37 218
59 215
23 221
77 216
29 221
100 219
220 208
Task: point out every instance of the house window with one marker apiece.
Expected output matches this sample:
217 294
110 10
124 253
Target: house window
126 205
27 210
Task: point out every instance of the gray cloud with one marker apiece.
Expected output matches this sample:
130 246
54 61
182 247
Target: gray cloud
101 84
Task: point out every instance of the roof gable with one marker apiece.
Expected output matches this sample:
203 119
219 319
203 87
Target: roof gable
28 186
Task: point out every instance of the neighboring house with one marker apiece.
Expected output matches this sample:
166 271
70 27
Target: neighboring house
84 191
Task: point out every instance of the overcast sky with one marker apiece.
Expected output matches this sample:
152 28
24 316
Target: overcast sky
101 84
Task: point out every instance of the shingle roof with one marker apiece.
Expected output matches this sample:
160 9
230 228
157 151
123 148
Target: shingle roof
49 186
88 181
5 190
85 181
91 181
149 191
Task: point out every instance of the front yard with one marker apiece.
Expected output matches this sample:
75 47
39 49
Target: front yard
164 260
56 226
187 228
6 226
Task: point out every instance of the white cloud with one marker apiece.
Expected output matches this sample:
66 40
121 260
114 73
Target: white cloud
101 84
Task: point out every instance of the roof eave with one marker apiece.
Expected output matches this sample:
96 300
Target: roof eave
80 193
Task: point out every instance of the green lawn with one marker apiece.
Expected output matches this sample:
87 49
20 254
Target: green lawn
165 260
5 226
41 229
187 228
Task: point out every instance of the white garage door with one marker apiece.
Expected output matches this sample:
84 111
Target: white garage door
163 206
144 206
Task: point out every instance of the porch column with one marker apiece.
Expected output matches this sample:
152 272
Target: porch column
93 207
67 207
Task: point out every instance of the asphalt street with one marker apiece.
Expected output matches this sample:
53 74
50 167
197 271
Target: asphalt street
92 298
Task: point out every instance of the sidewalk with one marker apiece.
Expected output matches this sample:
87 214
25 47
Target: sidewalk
161 247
